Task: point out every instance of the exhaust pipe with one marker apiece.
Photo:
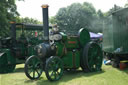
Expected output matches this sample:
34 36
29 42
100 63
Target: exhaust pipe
45 22
13 32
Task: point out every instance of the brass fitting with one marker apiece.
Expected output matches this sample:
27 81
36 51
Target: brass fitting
45 6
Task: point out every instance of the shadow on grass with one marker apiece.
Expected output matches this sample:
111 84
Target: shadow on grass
19 70
67 77
30 81
124 70
110 67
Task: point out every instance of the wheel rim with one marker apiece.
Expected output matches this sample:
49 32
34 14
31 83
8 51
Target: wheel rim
93 57
33 67
54 68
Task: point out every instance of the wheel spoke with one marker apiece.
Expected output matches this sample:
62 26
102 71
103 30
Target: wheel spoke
52 74
57 64
33 73
51 67
55 75
30 71
37 72
58 73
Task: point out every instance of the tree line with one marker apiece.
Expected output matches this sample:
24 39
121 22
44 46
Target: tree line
8 13
76 16
69 19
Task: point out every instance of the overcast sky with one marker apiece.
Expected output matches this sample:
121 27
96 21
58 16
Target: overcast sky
32 8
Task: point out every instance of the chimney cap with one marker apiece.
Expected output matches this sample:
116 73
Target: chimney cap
44 6
12 22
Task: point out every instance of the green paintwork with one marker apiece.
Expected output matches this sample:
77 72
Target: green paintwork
116 32
69 49
31 51
84 36
72 59
72 42
64 36
7 61
60 49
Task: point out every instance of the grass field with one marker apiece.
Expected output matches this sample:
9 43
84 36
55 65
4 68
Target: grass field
108 76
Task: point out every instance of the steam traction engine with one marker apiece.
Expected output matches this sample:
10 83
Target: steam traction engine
20 45
65 52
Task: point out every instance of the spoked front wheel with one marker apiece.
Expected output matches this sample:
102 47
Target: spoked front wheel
54 68
33 67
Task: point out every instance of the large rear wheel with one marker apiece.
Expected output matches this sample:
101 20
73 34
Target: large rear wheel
92 57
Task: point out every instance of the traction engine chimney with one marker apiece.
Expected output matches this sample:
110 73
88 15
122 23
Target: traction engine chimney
45 22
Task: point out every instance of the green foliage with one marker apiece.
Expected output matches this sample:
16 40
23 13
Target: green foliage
97 23
7 13
126 5
77 16
27 20
113 9
52 20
